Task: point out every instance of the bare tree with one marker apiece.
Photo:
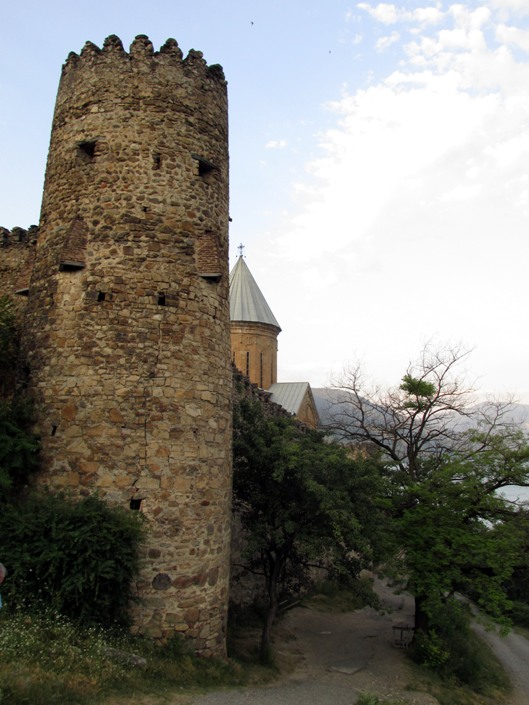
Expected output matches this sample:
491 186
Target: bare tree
430 413
446 458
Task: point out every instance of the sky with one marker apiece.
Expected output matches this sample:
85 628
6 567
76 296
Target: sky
379 165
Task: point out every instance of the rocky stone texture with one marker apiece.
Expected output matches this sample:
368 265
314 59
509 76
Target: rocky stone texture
254 351
127 322
17 250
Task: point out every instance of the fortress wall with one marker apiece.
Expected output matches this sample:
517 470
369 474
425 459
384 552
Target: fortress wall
127 324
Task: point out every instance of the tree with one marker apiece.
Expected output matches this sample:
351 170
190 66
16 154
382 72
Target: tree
518 583
301 502
446 458
18 445
9 346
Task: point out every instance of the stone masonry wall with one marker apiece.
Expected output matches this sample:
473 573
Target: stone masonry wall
17 249
254 351
127 323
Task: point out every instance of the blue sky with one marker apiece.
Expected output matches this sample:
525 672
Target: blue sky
379 164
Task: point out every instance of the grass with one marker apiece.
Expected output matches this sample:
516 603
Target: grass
45 660
370 699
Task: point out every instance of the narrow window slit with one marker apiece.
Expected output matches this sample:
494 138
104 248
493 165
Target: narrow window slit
87 150
161 300
205 167
70 266
101 296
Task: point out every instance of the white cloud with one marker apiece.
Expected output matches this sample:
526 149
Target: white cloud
383 12
276 144
391 14
385 42
513 36
426 15
470 19
419 203
520 7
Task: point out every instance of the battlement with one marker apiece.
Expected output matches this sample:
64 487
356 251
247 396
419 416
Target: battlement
140 56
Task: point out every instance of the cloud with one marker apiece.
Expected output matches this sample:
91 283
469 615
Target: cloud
419 200
518 7
426 15
385 42
391 14
513 36
383 12
276 144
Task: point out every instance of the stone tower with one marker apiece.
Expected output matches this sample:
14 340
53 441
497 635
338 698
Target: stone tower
127 321
254 328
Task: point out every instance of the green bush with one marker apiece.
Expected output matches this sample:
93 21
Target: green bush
18 446
430 650
455 653
77 558
520 614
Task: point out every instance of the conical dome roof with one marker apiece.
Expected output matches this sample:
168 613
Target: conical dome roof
247 303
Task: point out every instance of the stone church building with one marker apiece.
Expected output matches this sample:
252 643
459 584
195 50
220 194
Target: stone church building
254 331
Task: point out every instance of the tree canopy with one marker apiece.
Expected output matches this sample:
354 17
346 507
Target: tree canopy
446 460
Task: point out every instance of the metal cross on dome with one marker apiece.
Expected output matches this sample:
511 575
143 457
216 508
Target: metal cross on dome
241 250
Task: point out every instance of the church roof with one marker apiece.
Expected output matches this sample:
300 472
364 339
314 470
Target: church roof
247 303
289 395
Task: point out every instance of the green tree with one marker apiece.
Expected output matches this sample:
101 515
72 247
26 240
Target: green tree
446 461
18 445
9 344
301 502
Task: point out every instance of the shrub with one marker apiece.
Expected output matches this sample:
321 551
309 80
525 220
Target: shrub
18 446
520 614
430 650
77 558
454 652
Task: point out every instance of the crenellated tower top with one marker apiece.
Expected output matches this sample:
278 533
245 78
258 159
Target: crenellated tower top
141 54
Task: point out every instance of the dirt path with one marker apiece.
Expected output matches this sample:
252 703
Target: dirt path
512 651
336 657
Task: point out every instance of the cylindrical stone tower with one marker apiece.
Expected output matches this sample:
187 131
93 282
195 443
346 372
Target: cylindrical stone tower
128 318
